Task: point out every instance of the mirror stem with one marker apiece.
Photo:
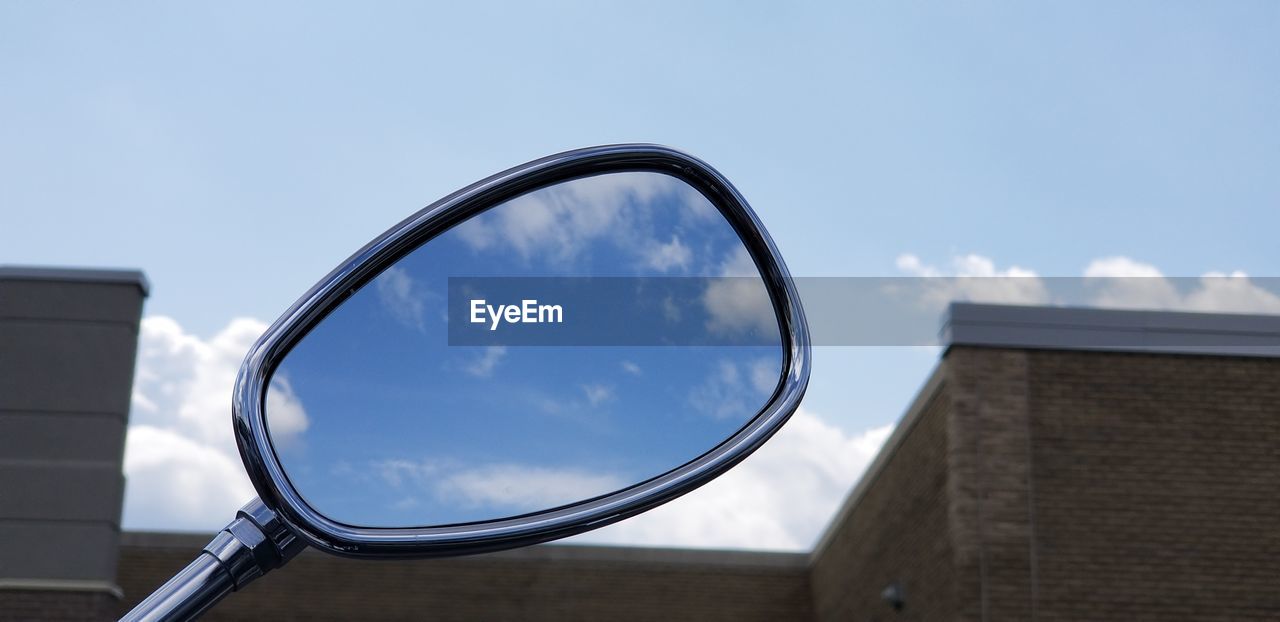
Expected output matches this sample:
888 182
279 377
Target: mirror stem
253 544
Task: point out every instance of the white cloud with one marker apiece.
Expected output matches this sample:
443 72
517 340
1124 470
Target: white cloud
912 265
1112 267
733 390
286 417
741 302
556 223
781 497
402 297
181 461
738 263
974 278
186 381
507 488
719 395
176 483
666 257
397 472
1235 293
1123 283
764 376
631 368
1116 282
488 360
523 488
671 310
597 393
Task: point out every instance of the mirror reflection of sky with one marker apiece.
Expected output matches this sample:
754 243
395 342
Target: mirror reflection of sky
378 422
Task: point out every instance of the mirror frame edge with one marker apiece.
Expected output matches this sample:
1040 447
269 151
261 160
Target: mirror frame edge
273 486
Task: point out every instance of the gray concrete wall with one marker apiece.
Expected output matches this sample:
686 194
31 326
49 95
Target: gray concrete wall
67 346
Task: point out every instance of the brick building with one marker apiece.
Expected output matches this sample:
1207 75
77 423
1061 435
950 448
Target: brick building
1043 476
1059 464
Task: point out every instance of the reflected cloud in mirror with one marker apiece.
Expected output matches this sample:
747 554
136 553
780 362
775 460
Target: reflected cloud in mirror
379 422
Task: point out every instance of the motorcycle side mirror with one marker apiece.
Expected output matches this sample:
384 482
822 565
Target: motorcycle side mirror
550 350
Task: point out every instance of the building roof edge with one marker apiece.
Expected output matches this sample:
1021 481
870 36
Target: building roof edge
1111 330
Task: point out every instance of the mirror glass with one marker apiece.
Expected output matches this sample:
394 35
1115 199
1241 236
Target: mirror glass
383 417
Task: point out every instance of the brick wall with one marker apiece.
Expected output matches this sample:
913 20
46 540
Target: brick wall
1157 486
538 583
1070 485
57 605
989 483
1115 486
895 529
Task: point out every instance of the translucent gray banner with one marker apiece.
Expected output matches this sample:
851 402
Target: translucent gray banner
858 311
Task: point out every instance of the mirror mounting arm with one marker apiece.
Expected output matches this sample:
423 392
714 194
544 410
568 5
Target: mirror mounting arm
253 544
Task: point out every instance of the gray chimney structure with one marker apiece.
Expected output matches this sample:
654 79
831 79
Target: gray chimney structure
68 339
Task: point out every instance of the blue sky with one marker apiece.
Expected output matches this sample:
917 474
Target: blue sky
381 419
237 152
